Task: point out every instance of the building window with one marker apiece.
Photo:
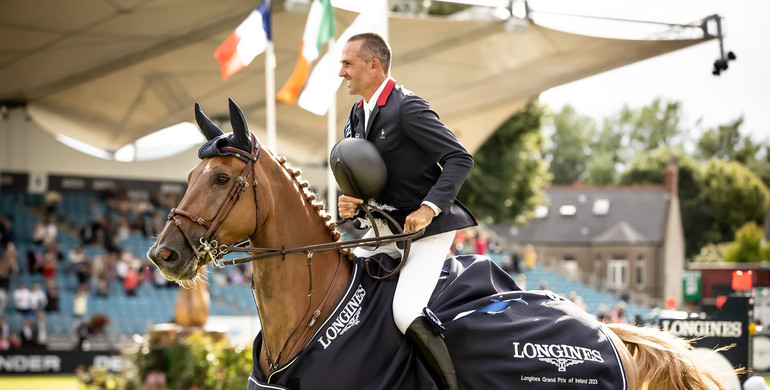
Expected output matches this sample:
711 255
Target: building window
568 210
601 207
617 273
641 266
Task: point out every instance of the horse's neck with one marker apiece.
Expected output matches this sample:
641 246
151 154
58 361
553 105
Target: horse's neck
286 296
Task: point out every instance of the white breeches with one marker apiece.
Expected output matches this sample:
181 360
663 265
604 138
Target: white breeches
418 277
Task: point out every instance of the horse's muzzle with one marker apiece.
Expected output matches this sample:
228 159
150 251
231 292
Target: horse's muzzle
170 263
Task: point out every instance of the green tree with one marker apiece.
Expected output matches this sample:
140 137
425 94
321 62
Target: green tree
570 150
727 143
655 125
509 173
731 196
747 245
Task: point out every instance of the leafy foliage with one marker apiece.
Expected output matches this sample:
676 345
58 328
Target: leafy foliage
505 184
747 247
192 362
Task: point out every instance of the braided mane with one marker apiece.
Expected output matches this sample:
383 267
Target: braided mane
318 205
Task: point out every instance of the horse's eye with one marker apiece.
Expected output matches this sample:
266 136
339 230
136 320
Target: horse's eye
222 179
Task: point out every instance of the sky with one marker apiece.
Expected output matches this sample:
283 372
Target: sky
684 75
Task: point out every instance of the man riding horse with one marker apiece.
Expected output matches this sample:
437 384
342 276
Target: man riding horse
426 165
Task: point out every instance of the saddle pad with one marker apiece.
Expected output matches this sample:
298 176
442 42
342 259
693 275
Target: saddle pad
499 336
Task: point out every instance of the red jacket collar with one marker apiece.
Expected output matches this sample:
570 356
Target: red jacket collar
384 95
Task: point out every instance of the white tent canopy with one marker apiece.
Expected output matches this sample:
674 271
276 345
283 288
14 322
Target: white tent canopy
108 73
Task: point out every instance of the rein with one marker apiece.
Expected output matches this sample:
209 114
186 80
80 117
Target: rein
378 240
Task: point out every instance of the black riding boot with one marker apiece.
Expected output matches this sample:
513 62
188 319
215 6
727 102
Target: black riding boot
434 352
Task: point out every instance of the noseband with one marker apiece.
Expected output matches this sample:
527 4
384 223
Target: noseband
208 247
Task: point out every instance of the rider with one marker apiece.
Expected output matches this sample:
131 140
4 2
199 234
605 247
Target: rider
426 166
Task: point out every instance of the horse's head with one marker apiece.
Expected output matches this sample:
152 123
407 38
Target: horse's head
222 184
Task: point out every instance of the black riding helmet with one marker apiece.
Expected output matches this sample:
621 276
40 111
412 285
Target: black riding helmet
358 168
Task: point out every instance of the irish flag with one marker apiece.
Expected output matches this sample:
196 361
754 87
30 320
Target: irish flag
324 80
319 28
248 40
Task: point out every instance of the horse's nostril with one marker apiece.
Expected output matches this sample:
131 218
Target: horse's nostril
166 253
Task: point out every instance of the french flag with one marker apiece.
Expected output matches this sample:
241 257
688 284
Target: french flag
248 40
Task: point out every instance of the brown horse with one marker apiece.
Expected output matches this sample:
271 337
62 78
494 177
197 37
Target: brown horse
241 190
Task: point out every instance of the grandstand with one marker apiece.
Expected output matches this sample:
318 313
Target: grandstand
592 298
127 315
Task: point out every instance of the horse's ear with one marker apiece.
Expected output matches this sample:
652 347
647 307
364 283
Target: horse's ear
208 128
240 128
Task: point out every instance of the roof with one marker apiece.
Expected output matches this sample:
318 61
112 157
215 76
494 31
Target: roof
108 73
636 215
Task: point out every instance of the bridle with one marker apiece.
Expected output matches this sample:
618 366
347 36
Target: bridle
208 247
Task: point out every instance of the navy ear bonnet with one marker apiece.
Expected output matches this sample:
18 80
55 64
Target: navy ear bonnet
240 138
212 147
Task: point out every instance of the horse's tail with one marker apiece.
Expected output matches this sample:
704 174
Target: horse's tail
662 361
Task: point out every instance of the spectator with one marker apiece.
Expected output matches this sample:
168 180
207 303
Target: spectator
521 281
28 334
5 333
13 341
38 235
480 243
38 299
516 260
121 267
22 300
81 331
602 314
618 314
81 263
80 303
51 201
6 231
530 256
11 256
236 276
34 261
6 270
75 256
97 210
158 280
131 282
51 231
41 329
146 272
49 268
103 287
53 298
219 278
506 265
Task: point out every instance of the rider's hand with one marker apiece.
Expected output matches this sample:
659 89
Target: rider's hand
347 205
418 219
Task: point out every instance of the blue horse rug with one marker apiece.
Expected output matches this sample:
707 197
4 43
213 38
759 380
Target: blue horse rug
499 336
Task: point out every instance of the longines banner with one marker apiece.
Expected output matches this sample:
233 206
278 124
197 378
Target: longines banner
57 362
726 327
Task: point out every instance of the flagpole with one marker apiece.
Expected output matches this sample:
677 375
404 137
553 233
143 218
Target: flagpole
331 139
272 142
